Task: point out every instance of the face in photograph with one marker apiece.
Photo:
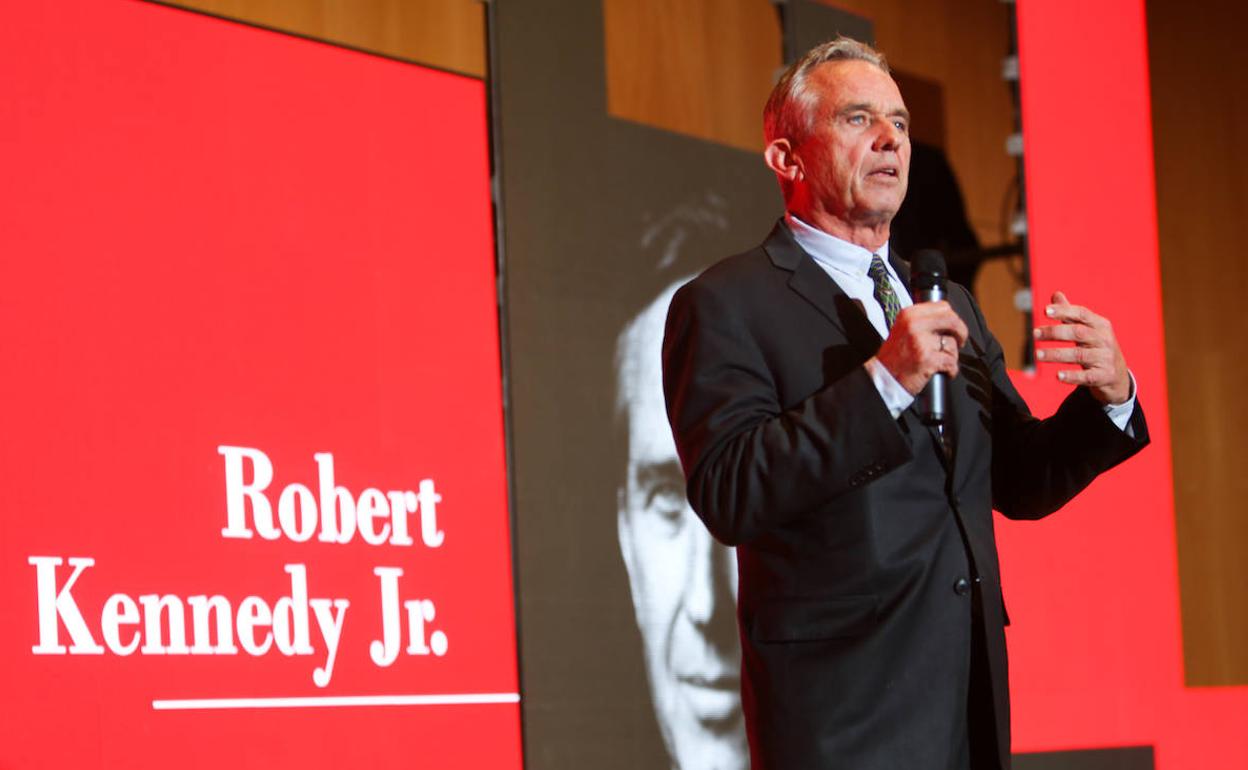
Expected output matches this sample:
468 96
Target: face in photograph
683 582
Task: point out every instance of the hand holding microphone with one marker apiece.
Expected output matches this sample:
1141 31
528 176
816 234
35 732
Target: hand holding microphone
922 347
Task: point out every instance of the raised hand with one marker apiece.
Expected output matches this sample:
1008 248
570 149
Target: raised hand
1102 368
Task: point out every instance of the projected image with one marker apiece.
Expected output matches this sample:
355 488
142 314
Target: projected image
683 583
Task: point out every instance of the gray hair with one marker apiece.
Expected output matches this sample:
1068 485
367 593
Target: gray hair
788 112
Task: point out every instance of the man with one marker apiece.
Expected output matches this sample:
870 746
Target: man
683 583
870 607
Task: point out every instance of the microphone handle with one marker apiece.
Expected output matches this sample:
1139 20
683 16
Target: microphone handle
931 400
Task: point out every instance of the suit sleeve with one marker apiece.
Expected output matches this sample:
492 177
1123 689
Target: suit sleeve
1039 465
751 463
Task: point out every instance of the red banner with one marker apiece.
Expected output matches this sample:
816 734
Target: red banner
1096 645
254 500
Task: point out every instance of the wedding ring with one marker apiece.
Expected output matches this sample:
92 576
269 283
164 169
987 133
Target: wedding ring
942 343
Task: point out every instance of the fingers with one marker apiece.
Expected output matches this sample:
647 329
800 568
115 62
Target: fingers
1061 310
1083 356
925 339
1077 324
937 328
945 357
935 318
1076 333
948 362
1093 378
1094 349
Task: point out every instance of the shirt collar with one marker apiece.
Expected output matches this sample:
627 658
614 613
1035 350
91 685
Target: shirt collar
834 253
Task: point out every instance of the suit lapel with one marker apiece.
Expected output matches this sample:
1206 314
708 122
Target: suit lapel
902 267
815 286
812 284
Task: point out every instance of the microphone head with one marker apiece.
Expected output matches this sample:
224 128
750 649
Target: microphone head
927 270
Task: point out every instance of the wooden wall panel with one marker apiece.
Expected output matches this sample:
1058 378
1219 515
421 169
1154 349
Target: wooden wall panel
449 34
698 67
1200 124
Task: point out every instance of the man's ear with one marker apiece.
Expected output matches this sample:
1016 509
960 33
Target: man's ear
782 159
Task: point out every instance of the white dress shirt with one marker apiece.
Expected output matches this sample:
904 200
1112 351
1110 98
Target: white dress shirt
847 263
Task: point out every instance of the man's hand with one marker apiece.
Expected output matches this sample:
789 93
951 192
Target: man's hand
1102 368
925 339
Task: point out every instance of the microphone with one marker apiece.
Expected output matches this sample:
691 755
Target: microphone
927 284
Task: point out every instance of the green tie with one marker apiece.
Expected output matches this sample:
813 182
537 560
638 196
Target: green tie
884 293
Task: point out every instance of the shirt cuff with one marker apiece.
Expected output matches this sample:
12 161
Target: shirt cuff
898 399
1120 414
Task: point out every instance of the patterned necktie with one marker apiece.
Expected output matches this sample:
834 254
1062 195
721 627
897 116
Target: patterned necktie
884 293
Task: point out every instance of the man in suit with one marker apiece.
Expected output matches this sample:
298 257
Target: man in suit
869 599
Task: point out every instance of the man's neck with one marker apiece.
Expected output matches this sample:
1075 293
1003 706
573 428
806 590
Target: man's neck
869 235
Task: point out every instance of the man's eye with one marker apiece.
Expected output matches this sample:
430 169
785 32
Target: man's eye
857 120
666 499
901 125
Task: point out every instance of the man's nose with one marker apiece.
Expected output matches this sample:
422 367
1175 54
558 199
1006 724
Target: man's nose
889 137
709 597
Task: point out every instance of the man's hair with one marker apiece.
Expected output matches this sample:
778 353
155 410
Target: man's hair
789 111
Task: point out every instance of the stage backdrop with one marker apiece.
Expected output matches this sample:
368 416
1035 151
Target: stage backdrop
626 654
254 500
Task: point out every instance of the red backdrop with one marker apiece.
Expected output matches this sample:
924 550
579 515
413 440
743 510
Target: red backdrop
1096 644
216 235
213 235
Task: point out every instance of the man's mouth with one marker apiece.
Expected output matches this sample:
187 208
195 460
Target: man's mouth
714 700
726 681
886 171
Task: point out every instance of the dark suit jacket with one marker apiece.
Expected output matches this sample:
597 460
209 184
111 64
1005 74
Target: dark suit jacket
868 564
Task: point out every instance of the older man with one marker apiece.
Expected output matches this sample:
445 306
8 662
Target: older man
870 607
683 583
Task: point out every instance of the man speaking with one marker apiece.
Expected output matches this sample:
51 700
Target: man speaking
870 608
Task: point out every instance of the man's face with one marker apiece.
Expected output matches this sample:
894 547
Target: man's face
683 582
856 157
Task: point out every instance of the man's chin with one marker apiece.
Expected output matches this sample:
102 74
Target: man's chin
702 749
708 731
879 204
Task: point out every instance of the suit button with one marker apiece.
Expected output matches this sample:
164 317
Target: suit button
962 586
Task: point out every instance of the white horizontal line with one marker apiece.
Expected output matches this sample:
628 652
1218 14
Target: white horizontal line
314 701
